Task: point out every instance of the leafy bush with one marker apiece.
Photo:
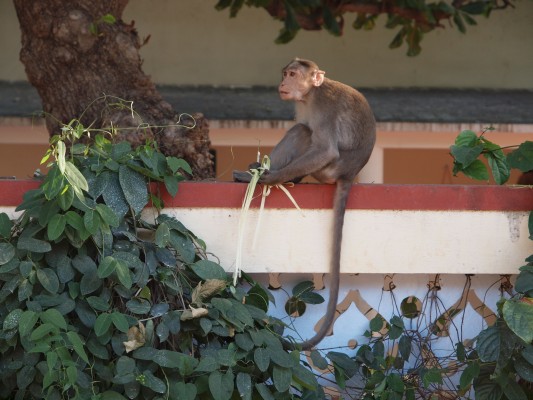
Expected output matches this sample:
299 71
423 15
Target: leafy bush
501 367
98 303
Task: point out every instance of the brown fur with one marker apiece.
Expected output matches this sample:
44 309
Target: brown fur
332 141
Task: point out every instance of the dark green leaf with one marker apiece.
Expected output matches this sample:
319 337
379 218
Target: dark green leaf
123 273
221 385
153 382
262 358
48 278
171 184
477 170
7 252
468 375
206 269
27 321
77 345
404 346
54 317
133 186
102 324
113 195
519 318
304 377
33 245
5 226
177 163
282 378
182 391
90 282
107 267
244 385
522 158
107 215
184 246
12 319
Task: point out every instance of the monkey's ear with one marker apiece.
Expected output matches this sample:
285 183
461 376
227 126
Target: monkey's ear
318 78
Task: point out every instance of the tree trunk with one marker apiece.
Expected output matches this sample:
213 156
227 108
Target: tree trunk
80 59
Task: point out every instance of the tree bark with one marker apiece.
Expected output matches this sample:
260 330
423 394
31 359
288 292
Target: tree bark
80 61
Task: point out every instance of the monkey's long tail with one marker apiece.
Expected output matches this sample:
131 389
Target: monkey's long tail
339 209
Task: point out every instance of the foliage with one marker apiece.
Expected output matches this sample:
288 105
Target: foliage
99 303
503 359
412 18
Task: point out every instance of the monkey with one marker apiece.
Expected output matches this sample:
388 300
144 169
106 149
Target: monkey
332 140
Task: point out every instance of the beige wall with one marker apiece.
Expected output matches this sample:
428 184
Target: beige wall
192 43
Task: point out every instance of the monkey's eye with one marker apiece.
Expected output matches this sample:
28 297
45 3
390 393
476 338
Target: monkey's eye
292 74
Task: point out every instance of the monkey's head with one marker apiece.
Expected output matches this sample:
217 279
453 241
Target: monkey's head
299 78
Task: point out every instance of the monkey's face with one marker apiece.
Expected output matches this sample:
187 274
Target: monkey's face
297 82
294 85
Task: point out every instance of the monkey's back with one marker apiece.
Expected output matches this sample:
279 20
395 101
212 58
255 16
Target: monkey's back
347 114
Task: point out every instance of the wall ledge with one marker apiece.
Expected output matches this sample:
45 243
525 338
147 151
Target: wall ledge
409 229
318 196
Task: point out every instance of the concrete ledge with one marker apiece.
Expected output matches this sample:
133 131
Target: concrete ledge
388 228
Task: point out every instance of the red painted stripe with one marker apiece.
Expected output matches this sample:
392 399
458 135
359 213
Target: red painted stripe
314 196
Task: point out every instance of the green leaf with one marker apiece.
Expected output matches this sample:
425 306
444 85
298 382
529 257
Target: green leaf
302 287
264 391
54 317
404 346
91 221
519 318
153 382
466 137
61 156
488 344
176 164
66 199
206 269
513 391
244 385
77 345
468 375
395 383
282 378
90 282
524 369
171 184
75 178
12 319
162 235
120 321
74 219
106 267
133 186
108 216
102 324
183 245
499 168
48 278
111 395
33 245
304 377
430 376
376 324
7 252
524 281
183 391
27 321
5 226
207 364
262 358
221 385
123 273
42 330
318 361
477 170
522 158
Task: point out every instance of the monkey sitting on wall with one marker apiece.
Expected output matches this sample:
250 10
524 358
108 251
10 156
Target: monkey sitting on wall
332 141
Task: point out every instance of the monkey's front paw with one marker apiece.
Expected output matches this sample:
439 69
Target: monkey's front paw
242 176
